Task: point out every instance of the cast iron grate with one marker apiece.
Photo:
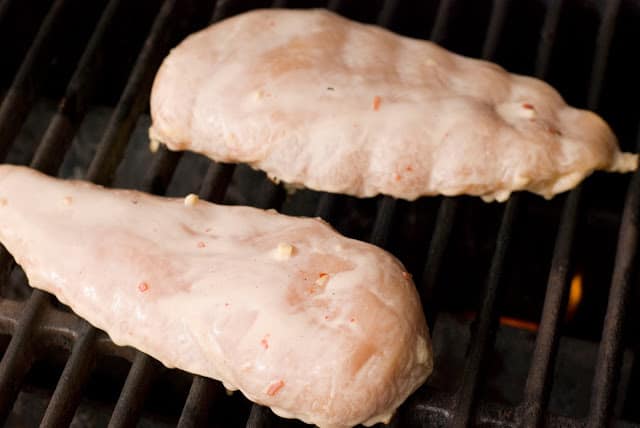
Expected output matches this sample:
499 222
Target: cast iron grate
86 62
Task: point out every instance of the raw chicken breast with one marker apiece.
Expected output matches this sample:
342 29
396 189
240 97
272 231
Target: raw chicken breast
299 318
319 101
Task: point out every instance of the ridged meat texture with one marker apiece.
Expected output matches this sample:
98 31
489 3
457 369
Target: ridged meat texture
299 318
319 101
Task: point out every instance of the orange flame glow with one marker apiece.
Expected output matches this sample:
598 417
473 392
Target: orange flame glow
575 296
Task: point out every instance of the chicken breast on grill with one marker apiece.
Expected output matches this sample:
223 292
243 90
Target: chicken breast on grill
299 318
319 101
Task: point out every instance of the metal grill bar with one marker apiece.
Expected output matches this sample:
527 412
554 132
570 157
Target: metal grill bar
441 24
607 370
23 90
74 104
482 340
260 417
66 396
537 386
388 11
134 98
159 175
383 221
129 405
326 206
610 352
19 354
196 409
216 181
445 220
484 332
539 377
547 38
603 43
448 207
334 5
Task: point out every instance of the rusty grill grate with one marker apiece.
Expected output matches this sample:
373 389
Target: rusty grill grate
29 327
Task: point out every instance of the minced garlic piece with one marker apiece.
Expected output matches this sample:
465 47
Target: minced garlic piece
284 251
154 145
422 352
260 94
191 199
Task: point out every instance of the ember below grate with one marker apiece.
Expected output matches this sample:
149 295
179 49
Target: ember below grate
528 302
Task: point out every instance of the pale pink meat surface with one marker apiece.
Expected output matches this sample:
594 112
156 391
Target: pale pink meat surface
319 101
316 326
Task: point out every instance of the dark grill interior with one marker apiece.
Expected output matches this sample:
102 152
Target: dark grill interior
496 279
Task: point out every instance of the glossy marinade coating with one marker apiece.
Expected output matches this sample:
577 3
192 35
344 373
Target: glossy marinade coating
316 326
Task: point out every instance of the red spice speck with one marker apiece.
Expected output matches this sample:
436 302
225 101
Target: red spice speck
275 387
207 230
376 103
397 177
201 244
143 286
265 341
326 317
226 304
352 320
408 168
528 106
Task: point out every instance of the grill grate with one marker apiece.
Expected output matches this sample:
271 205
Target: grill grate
39 316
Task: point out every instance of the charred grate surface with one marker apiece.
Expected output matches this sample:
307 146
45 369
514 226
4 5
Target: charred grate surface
499 271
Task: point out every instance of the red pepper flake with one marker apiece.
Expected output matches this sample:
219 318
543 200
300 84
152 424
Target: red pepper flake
397 177
352 320
326 317
408 168
143 286
376 103
265 341
275 387
320 283
528 106
201 244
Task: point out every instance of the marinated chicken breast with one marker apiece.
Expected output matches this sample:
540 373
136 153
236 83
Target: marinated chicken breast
320 101
299 318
